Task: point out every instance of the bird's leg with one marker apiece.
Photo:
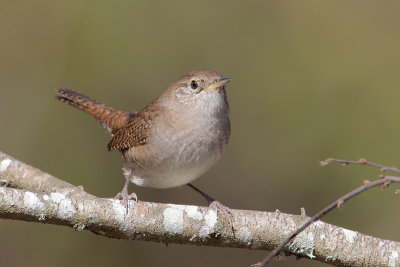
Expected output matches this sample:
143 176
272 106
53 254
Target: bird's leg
212 203
124 196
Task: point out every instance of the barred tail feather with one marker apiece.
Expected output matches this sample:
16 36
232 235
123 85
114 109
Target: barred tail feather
110 118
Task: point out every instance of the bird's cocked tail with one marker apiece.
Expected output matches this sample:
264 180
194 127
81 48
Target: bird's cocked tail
110 118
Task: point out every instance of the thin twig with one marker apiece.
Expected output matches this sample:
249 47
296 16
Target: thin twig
361 161
384 181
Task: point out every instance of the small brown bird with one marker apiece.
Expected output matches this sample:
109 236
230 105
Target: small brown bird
174 139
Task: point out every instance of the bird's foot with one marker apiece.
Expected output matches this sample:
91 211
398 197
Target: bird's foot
225 210
125 197
212 203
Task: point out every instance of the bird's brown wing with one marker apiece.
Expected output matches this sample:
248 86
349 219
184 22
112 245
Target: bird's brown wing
136 131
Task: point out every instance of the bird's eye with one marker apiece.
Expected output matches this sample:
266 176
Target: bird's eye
194 84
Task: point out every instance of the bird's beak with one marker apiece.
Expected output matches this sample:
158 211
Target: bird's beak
218 84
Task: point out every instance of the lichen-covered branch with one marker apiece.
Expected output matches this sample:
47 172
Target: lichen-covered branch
31 195
16 174
383 181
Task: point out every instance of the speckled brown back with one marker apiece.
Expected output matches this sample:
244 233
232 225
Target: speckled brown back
136 131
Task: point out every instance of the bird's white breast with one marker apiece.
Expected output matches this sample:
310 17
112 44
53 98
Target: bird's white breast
181 147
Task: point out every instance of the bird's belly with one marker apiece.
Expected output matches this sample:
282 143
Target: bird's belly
172 171
176 157
175 164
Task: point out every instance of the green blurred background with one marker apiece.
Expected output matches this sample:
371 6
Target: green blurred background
311 80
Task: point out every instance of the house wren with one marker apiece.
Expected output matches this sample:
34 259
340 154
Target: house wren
174 139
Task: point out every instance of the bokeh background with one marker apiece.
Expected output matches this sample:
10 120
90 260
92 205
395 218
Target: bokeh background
311 80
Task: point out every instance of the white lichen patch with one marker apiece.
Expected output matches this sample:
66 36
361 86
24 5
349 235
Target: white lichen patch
244 235
66 209
193 212
32 202
303 245
119 211
318 224
211 218
393 259
350 235
4 164
57 197
173 220
204 231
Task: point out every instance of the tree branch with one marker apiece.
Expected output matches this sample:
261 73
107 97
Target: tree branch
384 181
361 161
32 195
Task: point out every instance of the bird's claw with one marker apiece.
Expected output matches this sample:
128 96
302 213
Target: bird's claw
224 209
125 197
